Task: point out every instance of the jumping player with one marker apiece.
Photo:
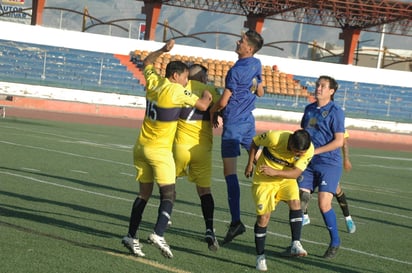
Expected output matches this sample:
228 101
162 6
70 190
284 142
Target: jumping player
236 105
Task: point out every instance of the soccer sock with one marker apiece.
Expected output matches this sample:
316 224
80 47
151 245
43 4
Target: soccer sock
330 221
167 196
341 197
260 238
233 194
295 219
208 206
136 215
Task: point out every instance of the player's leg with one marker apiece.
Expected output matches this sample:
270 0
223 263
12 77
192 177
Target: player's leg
327 184
305 197
230 150
289 192
164 171
343 203
264 198
145 177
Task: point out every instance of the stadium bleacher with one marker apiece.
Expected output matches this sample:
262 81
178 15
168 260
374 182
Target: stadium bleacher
63 67
87 70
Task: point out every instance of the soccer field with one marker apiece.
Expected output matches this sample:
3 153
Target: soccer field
66 191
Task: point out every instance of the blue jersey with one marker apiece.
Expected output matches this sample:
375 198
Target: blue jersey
322 124
239 80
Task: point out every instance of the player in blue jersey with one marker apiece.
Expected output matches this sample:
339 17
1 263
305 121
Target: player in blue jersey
325 122
152 153
235 106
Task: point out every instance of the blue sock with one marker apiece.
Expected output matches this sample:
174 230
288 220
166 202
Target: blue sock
330 220
233 196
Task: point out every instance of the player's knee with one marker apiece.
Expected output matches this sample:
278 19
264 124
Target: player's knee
304 199
168 193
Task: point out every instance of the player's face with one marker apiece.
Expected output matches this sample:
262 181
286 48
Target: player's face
182 78
323 91
242 46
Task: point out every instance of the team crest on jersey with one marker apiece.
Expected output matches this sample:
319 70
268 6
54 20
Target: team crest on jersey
325 114
313 122
188 93
263 136
260 206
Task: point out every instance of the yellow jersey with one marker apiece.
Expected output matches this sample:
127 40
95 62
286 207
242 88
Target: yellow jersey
164 102
276 155
194 126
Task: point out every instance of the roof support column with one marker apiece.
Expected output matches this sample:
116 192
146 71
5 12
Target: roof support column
152 11
351 38
254 22
37 7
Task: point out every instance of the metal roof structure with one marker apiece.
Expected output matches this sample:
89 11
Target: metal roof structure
368 15
351 16
392 17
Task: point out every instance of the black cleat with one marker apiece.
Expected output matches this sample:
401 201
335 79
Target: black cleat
331 252
233 231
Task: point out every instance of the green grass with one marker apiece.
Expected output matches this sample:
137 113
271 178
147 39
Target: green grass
66 192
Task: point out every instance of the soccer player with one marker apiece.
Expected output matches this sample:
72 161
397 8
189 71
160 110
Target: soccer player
284 156
325 122
236 105
193 149
152 153
340 194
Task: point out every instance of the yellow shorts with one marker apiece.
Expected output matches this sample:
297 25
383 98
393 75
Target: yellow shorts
268 194
194 161
154 165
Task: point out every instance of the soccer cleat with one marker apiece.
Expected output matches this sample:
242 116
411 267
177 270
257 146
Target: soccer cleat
161 244
211 240
331 252
233 231
261 263
306 220
133 245
297 250
350 225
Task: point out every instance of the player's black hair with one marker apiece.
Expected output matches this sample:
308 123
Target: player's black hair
300 140
175 67
254 39
198 72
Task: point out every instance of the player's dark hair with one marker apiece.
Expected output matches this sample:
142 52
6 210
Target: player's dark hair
333 84
254 39
197 72
175 67
300 140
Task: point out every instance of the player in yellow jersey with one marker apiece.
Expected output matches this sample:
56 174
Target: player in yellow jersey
153 158
285 155
340 194
193 149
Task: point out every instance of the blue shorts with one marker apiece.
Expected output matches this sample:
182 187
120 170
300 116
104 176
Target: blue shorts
235 135
324 176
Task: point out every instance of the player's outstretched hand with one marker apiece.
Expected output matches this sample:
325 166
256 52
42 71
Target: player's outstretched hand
169 45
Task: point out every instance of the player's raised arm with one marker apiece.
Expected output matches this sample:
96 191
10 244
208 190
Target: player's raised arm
151 58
